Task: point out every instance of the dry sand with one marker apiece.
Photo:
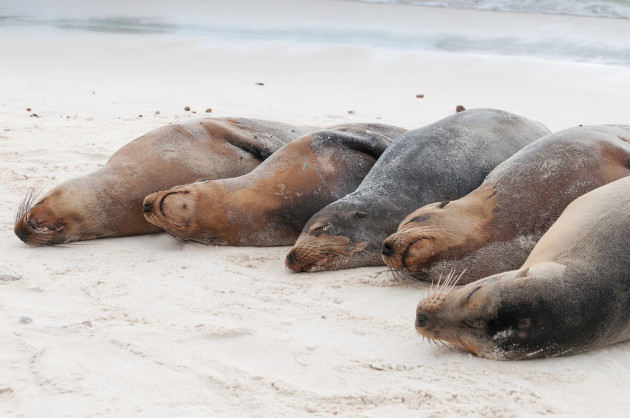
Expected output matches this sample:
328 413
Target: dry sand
146 326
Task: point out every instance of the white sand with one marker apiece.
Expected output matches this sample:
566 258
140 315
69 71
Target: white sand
145 326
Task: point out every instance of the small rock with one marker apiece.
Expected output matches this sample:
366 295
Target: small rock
139 116
351 112
260 84
187 108
460 108
34 115
208 110
25 320
157 112
28 109
420 96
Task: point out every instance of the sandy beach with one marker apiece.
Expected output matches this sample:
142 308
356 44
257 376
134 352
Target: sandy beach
147 326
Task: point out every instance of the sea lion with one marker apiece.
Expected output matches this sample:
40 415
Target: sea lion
270 205
571 294
444 160
494 228
108 202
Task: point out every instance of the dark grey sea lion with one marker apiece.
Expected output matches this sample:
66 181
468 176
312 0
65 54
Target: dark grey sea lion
442 161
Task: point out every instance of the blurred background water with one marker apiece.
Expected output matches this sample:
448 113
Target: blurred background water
603 8
262 21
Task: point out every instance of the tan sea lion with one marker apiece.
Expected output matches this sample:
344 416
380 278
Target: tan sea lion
270 205
108 202
444 160
571 294
494 228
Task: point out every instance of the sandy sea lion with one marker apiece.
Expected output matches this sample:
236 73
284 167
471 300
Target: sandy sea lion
270 205
108 202
444 160
571 294
494 228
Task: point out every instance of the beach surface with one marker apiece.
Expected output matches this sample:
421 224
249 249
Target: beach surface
147 326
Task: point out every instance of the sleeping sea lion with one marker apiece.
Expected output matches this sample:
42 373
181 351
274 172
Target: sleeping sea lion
444 160
571 294
494 228
108 202
270 205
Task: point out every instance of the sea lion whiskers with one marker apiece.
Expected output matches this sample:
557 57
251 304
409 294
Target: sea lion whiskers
32 196
444 288
396 274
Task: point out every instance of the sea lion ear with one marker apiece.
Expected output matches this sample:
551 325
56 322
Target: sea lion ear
359 214
522 273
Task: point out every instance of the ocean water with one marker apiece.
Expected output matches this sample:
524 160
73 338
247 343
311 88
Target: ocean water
600 35
619 9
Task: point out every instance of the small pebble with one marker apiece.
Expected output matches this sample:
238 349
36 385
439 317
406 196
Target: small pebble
420 96
25 320
208 110
187 108
157 112
351 112
460 108
260 84
28 109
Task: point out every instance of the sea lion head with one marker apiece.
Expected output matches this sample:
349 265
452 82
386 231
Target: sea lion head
455 315
439 231
67 213
497 317
174 210
341 235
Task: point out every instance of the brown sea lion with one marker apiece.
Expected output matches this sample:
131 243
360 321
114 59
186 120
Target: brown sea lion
571 294
108 202
270 205
494 228
444 160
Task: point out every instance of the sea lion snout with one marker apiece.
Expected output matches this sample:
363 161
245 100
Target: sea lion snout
174 207
386 249
421 319
290 262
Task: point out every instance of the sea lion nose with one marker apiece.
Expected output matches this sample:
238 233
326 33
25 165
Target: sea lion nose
386 249
146 208
289 258
421 318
